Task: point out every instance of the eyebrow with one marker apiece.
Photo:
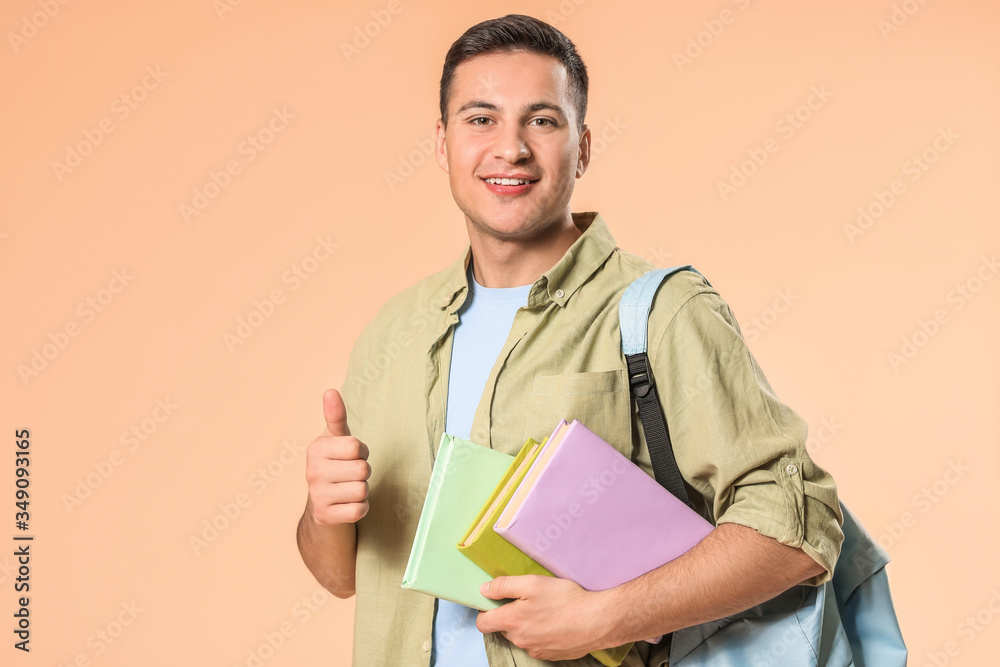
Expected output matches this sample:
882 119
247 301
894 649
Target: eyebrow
527 108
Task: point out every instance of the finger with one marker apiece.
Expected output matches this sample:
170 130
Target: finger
335 413
336 448
340 493
325 471
331 515
490 621
499 589
515 587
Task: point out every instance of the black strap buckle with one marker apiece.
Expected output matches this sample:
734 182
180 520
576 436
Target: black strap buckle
640 374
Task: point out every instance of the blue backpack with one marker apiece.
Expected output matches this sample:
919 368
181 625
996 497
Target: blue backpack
849 621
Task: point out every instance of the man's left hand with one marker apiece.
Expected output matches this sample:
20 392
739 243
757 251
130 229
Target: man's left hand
550 618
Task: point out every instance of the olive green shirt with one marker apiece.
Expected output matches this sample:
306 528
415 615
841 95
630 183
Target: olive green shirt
741 451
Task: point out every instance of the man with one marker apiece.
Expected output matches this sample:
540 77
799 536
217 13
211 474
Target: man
521 332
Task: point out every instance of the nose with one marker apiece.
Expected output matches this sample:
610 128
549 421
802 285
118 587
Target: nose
510 144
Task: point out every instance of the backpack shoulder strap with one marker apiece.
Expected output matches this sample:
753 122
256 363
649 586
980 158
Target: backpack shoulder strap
633 321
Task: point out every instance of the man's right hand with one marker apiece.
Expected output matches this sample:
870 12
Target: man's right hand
337 468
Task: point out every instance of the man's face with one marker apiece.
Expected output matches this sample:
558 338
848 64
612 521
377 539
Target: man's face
510 115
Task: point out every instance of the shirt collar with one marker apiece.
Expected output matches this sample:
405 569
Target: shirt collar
557 284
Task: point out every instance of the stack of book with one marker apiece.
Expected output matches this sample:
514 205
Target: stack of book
571 506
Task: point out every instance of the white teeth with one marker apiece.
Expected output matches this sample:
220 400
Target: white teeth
508 181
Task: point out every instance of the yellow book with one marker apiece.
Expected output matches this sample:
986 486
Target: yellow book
495 555
498 557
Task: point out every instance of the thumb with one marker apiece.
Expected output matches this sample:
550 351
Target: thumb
501 588
335 413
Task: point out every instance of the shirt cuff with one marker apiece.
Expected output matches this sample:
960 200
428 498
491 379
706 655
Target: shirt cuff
795 502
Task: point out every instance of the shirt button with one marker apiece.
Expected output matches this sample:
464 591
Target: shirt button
560 293
791 469
426 646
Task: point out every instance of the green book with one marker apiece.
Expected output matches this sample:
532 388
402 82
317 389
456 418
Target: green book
462 479
498 557
480 544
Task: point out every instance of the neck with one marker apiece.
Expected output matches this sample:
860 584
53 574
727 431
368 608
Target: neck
513 263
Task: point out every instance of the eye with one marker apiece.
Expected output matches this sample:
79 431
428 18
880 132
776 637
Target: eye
544 122
476 120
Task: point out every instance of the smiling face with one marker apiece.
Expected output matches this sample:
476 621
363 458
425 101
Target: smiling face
513 147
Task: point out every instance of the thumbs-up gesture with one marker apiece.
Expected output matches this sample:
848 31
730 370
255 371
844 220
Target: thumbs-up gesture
337 468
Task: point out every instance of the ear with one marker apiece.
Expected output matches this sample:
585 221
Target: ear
440 147
583 158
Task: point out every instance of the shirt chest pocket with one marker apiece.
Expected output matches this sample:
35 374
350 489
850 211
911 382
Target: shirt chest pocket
599 399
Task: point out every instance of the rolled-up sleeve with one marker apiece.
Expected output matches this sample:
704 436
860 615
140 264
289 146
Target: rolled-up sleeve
736 444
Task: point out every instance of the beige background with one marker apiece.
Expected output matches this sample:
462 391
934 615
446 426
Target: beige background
893 83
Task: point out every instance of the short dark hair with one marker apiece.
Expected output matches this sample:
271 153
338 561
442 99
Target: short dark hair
509 34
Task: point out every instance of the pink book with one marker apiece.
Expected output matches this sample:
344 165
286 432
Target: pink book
587 513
